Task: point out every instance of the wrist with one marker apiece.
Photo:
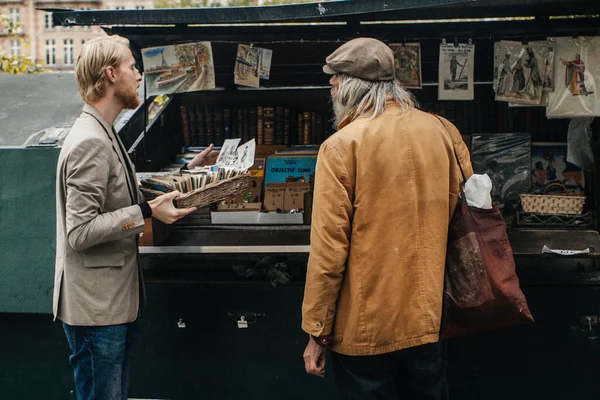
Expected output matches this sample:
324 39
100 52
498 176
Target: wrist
323 340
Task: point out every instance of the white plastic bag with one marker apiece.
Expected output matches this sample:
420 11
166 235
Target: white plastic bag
478 191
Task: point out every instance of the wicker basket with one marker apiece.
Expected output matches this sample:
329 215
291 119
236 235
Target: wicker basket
564 204
207 195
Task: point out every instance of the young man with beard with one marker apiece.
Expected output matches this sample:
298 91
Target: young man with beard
386 186
98 285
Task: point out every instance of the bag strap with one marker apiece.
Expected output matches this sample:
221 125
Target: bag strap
455 154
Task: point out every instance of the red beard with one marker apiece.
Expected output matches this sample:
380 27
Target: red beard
128 97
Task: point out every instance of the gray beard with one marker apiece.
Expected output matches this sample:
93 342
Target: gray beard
339 111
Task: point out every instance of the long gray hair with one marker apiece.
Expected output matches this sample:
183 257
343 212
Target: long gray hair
357 97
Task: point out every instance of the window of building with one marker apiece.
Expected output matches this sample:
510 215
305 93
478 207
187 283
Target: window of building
15 15
139 7
119 7
50 52
68 51
15 47
48 23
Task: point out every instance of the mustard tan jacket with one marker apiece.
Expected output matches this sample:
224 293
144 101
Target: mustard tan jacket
385 189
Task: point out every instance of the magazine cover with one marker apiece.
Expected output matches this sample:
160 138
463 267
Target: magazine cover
179 68
456 72
408 64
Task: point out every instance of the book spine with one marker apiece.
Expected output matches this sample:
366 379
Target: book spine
286 126
279 134
306 131
219 135
240 123
269 125
227 123
319 134
246 124
300 128
201 123
253 115
209 118
193 125
259 125
185 127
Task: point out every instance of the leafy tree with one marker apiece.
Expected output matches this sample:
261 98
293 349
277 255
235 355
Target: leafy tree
11 63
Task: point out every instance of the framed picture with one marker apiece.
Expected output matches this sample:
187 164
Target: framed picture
549 165
408 64
506 159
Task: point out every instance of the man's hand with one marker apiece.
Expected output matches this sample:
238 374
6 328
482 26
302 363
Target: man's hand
314 358
208 156
164 210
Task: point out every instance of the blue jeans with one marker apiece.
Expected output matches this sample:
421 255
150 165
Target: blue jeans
416 373
101 359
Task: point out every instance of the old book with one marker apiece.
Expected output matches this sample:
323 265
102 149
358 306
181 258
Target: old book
240 123
201 125
306 129
253 115
246 124
185 127
318 134
218 126
259 125
227 122
286 126
193 125
269 125
209 119
279 134
299 128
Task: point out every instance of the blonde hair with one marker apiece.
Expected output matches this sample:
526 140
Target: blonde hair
356 97
97 55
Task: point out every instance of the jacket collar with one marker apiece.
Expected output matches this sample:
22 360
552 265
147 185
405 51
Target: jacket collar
87 108
389 104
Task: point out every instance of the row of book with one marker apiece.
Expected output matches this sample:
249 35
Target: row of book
202 125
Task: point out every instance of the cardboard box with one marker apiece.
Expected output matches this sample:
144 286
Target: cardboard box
274 196
294 195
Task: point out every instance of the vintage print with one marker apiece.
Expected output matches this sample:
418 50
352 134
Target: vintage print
408 64
180 68
550 79
251 65
456 72
228 153
520 71
549 165
577 67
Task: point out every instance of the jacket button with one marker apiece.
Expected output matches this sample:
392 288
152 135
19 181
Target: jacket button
319 324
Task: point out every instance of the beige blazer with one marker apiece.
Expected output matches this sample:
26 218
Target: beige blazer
98 280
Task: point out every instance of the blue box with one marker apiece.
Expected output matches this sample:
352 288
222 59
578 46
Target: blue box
290 169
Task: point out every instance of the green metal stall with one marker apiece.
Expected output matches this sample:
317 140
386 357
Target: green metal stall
192 346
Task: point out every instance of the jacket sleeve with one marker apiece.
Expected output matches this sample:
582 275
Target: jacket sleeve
459 147
329 241
87 174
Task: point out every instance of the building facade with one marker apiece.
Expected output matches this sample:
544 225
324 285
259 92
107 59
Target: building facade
55 47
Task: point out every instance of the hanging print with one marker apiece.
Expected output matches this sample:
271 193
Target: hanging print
456 72
577 68
408 64
180 68
520 71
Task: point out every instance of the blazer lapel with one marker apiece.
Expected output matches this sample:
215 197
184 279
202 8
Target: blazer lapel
117 145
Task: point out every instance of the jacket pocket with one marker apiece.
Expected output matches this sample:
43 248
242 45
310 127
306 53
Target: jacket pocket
112 259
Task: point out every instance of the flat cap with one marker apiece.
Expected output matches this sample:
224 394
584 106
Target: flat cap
364 58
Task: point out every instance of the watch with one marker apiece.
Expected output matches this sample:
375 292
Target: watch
323 341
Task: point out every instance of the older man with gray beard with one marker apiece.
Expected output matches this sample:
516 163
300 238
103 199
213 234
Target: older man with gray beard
386 186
